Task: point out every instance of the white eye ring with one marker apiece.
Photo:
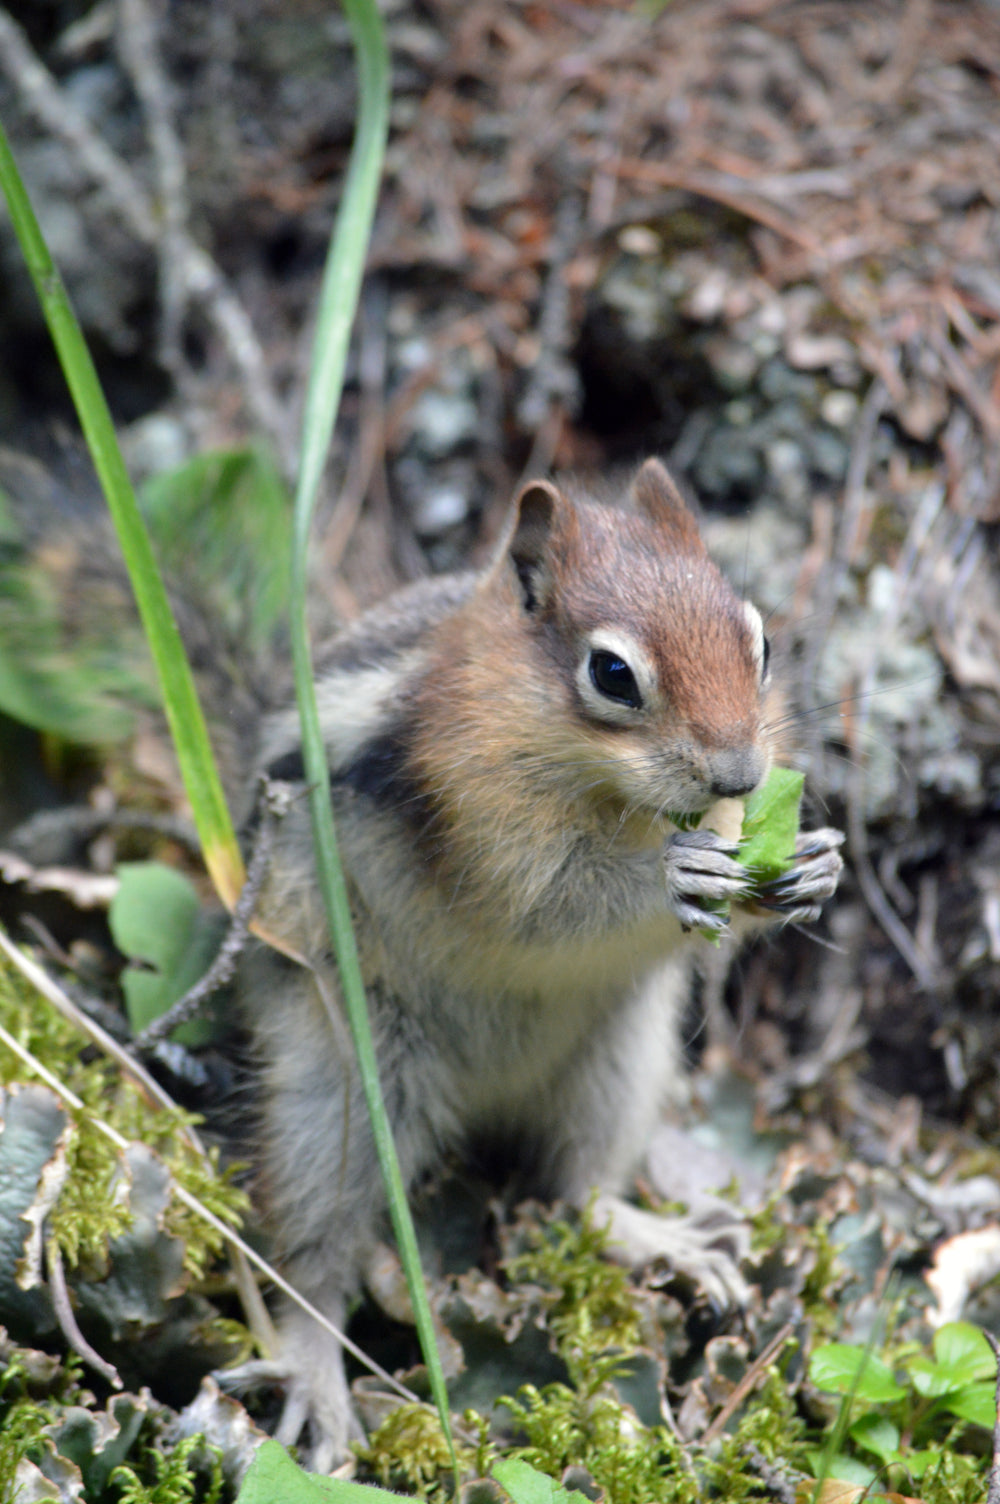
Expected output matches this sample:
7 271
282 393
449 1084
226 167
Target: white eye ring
759 644
602 650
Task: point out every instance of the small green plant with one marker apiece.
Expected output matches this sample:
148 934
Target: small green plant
914 1406
591 1306
409 1450
632 1463
22 1430
192 1470
770 1429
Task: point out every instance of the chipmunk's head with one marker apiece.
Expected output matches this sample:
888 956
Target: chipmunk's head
657 669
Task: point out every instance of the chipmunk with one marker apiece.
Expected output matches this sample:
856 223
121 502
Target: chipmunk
509 753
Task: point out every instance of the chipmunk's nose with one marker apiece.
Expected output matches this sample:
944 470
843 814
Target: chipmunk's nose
734 774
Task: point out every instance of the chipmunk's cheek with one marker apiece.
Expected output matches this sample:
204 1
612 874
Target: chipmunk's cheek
660 780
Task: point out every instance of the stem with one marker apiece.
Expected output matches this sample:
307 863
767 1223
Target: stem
338 304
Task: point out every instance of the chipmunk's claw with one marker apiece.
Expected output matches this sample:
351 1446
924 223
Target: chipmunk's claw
798 895
700 869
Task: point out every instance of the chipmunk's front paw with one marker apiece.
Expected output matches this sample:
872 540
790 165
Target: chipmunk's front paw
700 869
798 894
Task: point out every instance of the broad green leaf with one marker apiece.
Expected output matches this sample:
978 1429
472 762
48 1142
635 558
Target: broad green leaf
841 1368
876 1434
845 1480
275 1479
771 824
917 1463
976 1403
221 523
961 1347
930 1380
157 921
963 1358
526 1485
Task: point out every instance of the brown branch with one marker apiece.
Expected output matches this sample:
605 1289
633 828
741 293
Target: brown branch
275 801
63 1308
746 1384
710 187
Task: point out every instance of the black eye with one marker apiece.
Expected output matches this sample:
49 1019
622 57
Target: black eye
613 677
765 659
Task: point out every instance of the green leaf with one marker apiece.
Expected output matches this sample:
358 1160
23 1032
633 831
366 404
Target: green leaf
976 1403
273 1476
832 1471
850 1470
875 1434
526 1485
771 824
917 1463
841 1368
157 921
963 1378
930 1380
961 1347
767 840
221 522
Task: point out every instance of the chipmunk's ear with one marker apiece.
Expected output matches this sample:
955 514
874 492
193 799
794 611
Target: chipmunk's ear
535 510
656 494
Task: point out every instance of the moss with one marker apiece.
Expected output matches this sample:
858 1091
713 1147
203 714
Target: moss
595 1325
409 1450
191 1470
590 1301
91 1210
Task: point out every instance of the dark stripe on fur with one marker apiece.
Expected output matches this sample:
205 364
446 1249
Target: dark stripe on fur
288 768
381 772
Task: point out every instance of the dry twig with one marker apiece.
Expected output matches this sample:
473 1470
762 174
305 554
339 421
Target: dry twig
274 803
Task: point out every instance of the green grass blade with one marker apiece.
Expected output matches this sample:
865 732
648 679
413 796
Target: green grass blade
338 303
201 779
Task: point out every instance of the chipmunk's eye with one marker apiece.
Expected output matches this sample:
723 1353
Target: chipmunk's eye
613 677
765 659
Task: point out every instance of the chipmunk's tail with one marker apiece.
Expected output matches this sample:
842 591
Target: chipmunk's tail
73 659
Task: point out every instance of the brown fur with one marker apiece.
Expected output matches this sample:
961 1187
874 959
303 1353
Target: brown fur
500 744
521 894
